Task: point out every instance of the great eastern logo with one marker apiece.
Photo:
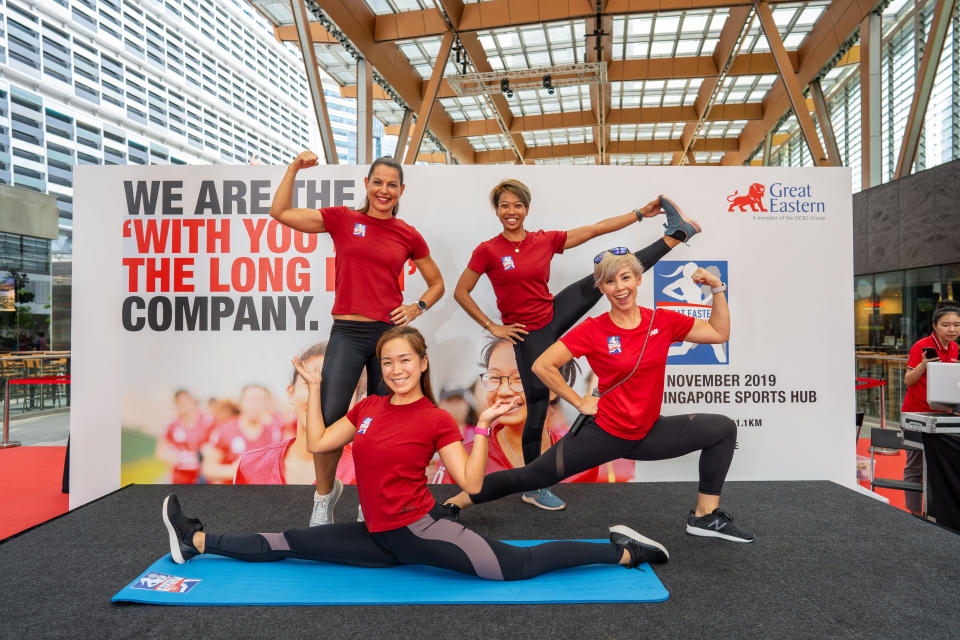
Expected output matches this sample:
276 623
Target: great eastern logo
778 198
753 198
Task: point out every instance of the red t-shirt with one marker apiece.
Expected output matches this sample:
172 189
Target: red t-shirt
391 450
520 279
233 443
370 254
915 399
186 440
631 409
266 465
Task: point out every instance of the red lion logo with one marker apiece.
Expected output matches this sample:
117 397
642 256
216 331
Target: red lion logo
750 199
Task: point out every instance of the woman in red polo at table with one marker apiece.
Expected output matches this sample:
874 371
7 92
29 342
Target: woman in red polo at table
518 265
372 245
939 346
627 349
394 438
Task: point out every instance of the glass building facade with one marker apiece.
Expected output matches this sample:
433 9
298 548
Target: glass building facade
110 82
107 82
906 25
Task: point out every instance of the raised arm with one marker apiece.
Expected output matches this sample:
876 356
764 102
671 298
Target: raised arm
282 210
468 280
467 470
431 274
320 438
547 368
717 329
579 235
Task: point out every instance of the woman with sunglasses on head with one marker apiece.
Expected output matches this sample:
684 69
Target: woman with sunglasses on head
394 437
518 265
372 245
627 349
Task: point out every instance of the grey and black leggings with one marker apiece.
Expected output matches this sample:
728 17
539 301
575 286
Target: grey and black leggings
670 437
569 306
351 348
432 540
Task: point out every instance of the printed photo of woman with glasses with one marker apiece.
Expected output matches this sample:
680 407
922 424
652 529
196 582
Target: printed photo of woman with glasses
517 262
501 382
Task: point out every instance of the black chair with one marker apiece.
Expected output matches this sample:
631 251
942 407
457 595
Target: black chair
891 439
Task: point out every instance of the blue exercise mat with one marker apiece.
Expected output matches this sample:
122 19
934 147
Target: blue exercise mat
214 580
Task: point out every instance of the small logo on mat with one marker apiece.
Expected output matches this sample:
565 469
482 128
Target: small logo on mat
162 582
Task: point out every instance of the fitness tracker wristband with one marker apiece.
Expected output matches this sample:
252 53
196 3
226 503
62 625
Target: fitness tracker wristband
482 431
720 289
422 305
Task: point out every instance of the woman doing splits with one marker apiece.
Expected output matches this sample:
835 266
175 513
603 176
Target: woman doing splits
627 349
394 438
371 245
939 346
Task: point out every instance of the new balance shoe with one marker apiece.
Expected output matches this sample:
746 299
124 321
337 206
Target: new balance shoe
180 529
717 524
544 499
678 226
323 505
640 548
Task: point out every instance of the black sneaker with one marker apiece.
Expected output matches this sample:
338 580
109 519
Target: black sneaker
180 529
640 548
717 524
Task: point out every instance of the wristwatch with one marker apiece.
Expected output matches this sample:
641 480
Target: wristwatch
639 215
483 431
422 305
720 289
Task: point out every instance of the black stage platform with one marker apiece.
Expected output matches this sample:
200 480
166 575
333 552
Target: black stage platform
827 563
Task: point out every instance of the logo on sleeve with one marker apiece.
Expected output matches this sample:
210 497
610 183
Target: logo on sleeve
360 229
507 263
364 425
613 344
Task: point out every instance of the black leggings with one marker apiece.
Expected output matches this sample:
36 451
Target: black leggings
352 346
670 437
568 307
432 540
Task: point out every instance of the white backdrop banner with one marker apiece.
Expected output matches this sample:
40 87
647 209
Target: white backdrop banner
183 281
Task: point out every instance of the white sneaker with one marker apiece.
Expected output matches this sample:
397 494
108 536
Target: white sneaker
323 505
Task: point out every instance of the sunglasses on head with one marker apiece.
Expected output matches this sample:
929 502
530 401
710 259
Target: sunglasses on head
617 251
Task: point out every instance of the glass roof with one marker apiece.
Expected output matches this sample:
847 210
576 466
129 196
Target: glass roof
654 37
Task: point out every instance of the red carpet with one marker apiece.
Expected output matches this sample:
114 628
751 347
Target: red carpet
30 482
885 467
